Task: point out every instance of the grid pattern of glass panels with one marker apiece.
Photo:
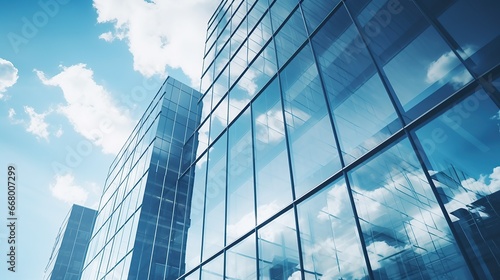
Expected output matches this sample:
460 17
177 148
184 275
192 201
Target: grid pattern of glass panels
141 224
72 241
348 140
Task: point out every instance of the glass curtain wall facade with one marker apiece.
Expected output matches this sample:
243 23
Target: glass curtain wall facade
142 221
68 254
348 139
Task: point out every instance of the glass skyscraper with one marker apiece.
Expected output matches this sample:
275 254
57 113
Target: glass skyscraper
339 139
141 225
348 139
70 247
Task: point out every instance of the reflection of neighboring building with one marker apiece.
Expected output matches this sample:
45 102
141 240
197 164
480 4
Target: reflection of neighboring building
142 219
479 224
282 268
68 253
476 223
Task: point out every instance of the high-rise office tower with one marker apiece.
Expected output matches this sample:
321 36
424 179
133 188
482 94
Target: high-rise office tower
142 221
348 139
70 247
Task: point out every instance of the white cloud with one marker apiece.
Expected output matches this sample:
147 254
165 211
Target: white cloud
496 116
8 75
378 250
446 63
65 189
37 124
159 33
108 36
12 114
59 132
90 108
270 127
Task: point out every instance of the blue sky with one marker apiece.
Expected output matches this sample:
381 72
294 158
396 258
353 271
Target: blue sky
75 76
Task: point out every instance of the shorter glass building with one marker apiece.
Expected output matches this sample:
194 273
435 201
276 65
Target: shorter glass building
70 248
141 225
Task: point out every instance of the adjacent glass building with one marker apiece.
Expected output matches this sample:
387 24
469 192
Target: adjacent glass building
70 247
142 221
347 139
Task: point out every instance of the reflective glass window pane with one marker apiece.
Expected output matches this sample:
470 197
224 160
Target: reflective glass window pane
223 31
253 80
238 37
473 25
313 151
399 36
193 247
192 276
362 111
220 87
272 174
405 232
290 37
315 11
278 252
214 269
206 104
239 12
238 63
463 147
240 260
238 99
280 10
262 68
331 248
207 80
259 36
203 138
240 190
256 12
215 199
218 119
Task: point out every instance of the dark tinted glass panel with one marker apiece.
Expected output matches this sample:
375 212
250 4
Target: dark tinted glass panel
399 36
315 11
463 147
473 27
